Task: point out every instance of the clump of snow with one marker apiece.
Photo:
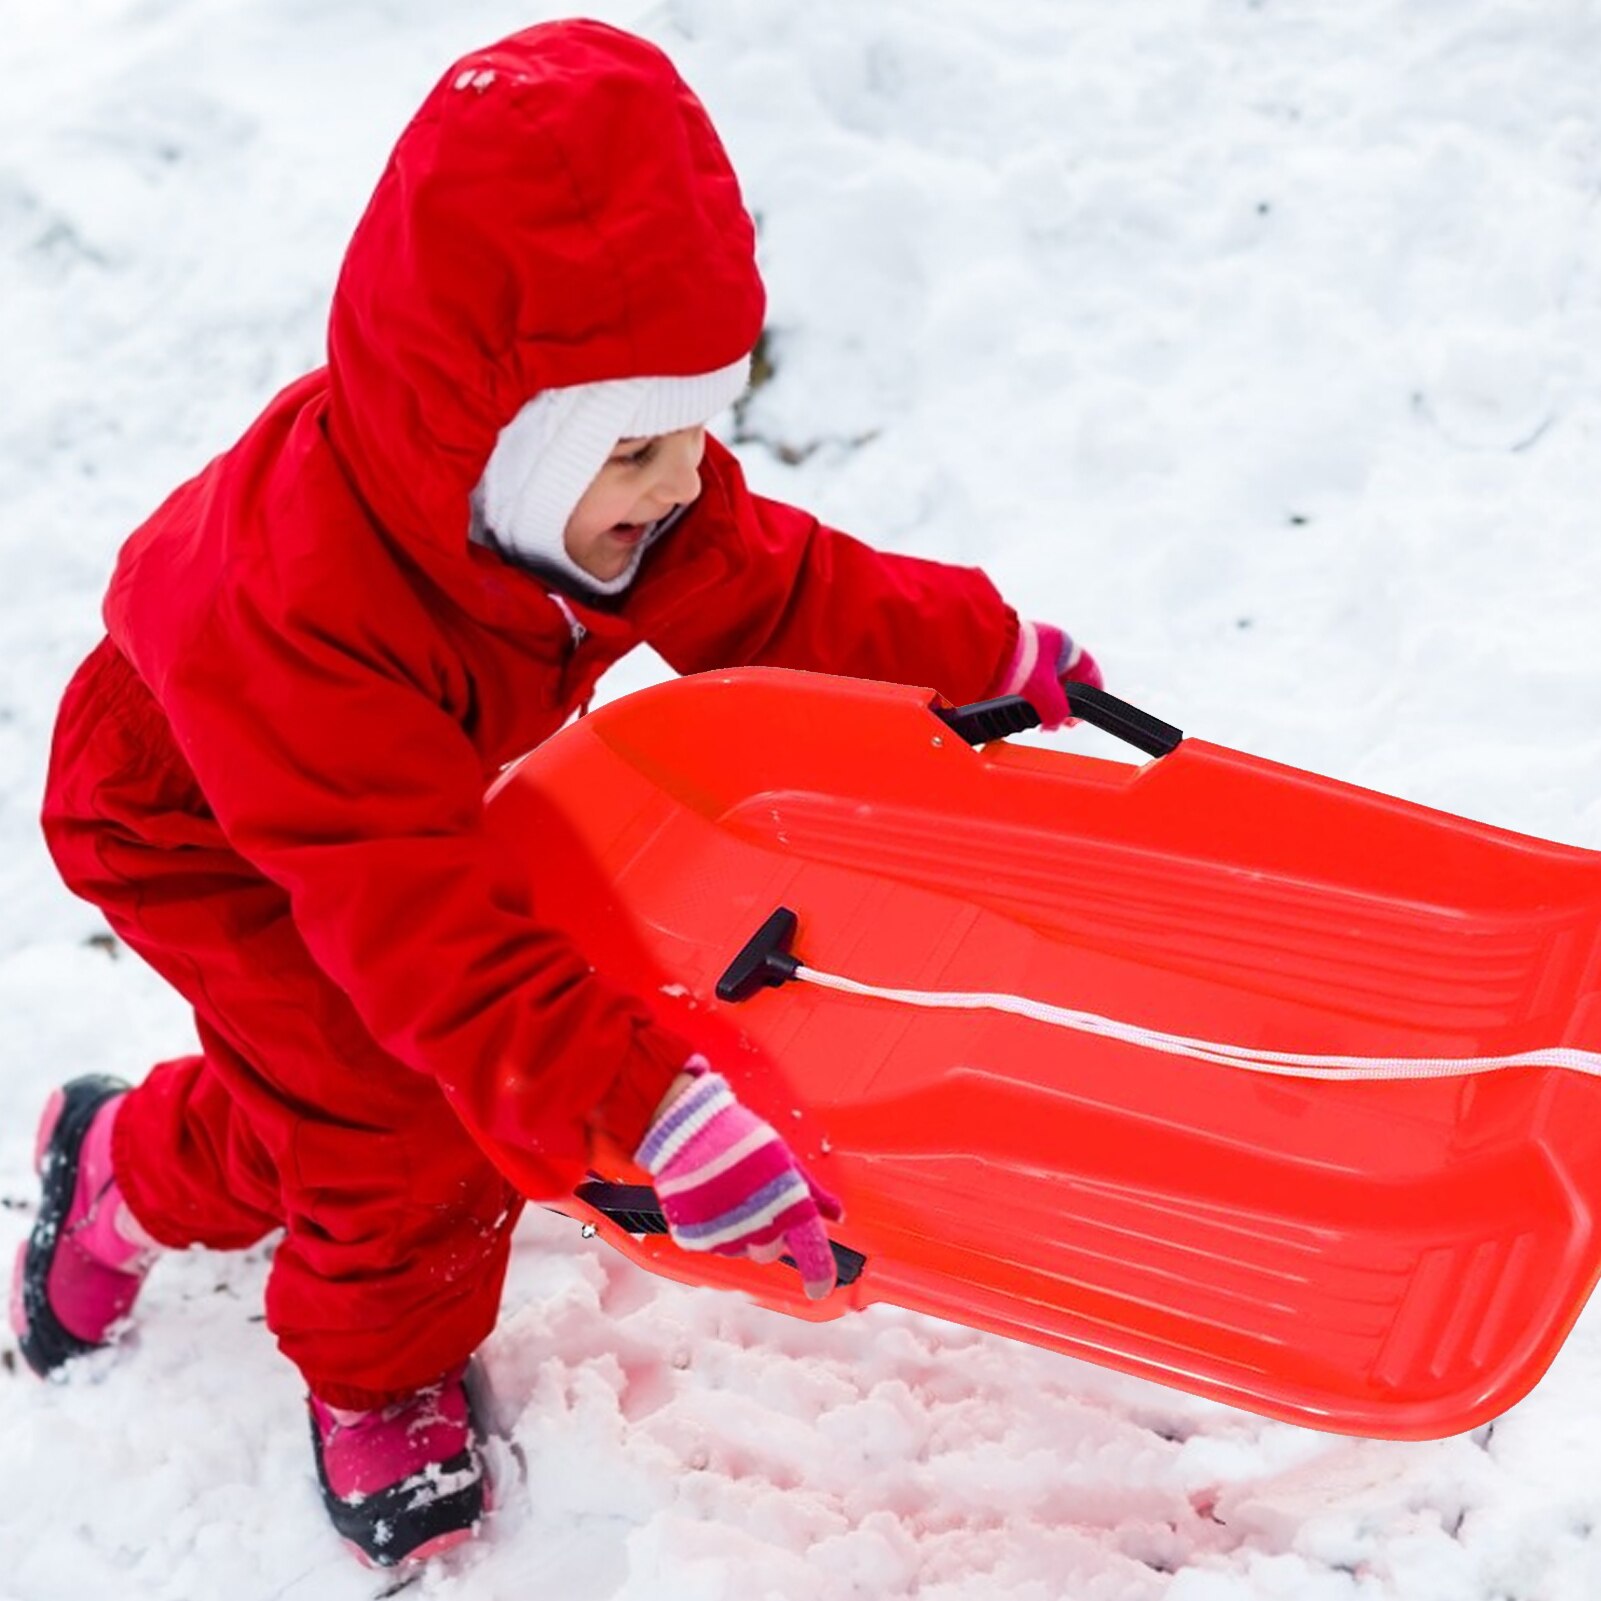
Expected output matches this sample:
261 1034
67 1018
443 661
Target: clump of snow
1256 342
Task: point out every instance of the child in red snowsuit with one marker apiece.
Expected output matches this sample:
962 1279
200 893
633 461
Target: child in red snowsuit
270 774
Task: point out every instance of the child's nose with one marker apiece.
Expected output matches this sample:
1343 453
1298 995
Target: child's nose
680 481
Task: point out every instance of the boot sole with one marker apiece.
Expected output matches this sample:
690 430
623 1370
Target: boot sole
444 1524
45 1344
450 1521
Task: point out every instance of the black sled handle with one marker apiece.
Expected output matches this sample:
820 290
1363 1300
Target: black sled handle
1011 714
635 1210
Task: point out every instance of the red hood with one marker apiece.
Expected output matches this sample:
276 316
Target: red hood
559 211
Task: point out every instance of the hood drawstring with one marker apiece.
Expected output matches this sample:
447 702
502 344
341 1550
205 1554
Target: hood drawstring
574 627
578 634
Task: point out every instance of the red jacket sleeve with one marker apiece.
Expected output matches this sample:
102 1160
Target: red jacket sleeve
800 594
341 773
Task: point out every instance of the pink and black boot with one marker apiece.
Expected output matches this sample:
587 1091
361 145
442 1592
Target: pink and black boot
403 1482
76 1277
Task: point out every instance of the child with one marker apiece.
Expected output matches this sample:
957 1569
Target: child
270 774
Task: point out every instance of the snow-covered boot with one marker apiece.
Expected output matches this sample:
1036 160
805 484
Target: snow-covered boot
406 1481
78 1273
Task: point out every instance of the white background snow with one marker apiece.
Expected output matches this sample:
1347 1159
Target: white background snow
1257 341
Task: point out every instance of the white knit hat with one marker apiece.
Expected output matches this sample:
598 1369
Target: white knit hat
549 453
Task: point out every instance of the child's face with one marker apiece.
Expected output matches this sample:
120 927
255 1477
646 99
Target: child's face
642 481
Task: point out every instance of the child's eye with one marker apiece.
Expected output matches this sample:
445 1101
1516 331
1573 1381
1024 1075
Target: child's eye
638 458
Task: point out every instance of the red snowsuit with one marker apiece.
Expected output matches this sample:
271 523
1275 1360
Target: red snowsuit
271 774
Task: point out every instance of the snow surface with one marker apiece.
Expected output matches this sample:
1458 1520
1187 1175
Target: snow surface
1258 342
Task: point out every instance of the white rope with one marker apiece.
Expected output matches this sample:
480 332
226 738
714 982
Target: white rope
1284 1064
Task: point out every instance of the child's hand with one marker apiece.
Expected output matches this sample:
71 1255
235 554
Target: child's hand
729 1184
1044 660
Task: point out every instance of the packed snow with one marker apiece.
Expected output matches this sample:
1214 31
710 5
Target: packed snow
1258 342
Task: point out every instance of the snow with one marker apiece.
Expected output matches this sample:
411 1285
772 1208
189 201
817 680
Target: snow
1256 341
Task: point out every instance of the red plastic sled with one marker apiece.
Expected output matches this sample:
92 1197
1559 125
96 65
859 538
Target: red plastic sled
1398 1259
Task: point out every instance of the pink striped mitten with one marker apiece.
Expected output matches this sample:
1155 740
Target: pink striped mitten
727 1183
1046 657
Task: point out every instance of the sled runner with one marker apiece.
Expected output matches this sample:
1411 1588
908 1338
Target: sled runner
1208 1069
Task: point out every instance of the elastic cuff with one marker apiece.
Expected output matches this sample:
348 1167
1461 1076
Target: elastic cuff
352 1398
1003 668
689 1114
626 1110
124 1165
